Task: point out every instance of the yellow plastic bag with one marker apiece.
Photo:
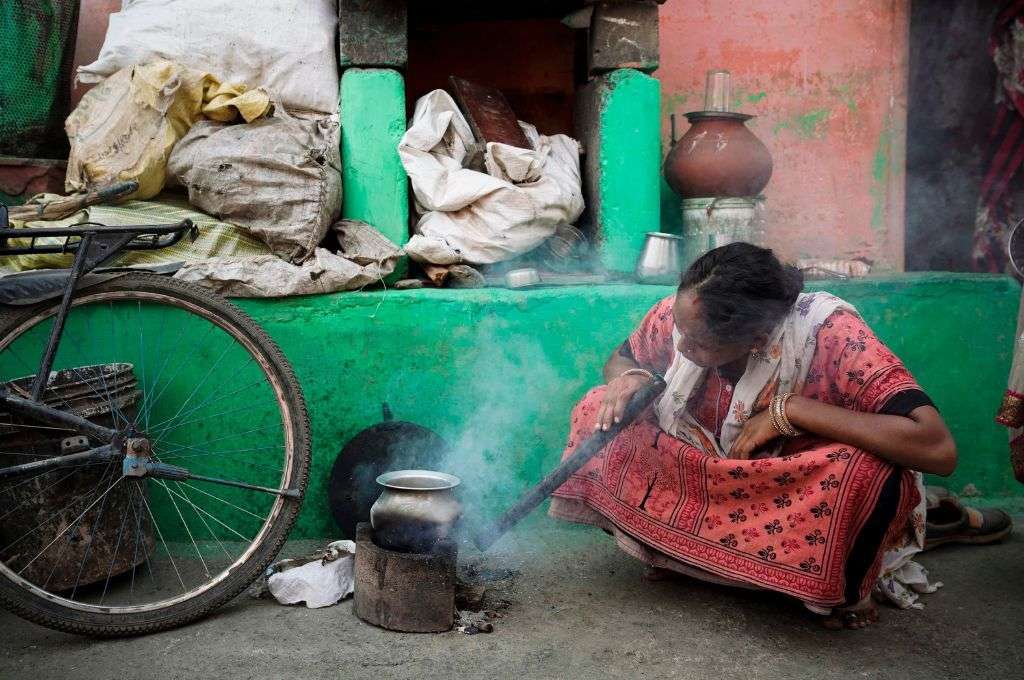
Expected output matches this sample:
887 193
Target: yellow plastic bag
125 127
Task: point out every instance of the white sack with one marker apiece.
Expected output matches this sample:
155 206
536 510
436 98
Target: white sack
319 583
365 260
476 217
278 178
287 46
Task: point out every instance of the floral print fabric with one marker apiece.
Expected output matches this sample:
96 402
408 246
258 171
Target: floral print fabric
787 522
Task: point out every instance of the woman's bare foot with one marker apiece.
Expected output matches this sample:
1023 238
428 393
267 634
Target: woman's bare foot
860 615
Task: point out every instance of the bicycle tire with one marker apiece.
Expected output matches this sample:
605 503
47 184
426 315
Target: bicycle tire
47 612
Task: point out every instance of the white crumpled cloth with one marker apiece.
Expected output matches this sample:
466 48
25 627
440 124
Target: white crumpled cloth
475 217
319 583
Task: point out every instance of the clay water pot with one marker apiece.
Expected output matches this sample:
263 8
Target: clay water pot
718 156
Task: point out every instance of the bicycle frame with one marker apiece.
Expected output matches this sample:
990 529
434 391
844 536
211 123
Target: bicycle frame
92 245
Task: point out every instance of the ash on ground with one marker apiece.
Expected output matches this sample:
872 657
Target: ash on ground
484 592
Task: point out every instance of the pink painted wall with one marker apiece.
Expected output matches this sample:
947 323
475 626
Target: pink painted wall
827 81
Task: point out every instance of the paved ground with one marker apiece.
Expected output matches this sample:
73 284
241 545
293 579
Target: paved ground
580 610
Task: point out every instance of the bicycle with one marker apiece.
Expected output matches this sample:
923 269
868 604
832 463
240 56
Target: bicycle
154 457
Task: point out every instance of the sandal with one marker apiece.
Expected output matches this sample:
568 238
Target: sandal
950 522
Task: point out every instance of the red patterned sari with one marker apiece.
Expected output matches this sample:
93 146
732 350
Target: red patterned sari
789 523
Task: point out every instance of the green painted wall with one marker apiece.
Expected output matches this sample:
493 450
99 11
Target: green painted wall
496 372
36 40
629 165
372 123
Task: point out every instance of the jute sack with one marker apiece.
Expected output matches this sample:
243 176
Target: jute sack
125 127
278 178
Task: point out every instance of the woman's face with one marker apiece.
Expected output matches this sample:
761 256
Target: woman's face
696 343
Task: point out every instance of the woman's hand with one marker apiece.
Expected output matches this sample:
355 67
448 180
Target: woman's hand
616 395
756 432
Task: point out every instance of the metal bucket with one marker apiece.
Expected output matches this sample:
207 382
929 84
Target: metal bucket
75 544
709 223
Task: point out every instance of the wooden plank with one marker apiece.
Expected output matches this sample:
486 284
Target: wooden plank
623 35
409 592
373 33
488 113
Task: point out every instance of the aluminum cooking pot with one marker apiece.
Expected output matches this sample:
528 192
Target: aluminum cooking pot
416 509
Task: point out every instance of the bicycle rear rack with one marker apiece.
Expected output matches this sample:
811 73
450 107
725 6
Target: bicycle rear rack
92 244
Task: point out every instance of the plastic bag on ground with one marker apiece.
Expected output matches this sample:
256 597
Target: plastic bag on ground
287 46
279 177
365 259
476 217
125 127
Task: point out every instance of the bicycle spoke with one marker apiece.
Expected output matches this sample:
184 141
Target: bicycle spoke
38 493
203 519
211 400
137 512
113 557
157 433
233 435
88 549
65 529
174 456
236 507
218 521
181 364
160 535
74 500
202 382
185 524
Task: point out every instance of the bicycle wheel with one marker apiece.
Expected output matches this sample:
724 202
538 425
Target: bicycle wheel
95 550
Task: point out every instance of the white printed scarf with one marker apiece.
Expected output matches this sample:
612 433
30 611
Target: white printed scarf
779 368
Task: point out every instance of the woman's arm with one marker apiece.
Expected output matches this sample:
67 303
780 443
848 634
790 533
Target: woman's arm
649 347
616 365
618 389
919 440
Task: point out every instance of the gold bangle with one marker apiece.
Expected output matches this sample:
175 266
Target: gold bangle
638 371
772 408
787 427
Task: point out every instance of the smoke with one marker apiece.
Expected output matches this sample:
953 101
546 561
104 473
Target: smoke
492 450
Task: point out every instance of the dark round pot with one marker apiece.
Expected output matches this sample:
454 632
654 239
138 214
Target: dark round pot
718 156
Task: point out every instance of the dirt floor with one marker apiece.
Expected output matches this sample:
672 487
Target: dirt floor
579 610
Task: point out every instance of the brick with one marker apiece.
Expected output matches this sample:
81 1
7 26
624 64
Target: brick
373 33
623 35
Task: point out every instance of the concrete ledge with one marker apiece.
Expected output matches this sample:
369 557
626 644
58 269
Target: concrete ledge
496 371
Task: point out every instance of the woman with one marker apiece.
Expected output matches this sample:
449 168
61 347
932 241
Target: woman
784 453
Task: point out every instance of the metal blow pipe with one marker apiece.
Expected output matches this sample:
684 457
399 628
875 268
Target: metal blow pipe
486 535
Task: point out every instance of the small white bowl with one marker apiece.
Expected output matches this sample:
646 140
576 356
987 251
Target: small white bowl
522 278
